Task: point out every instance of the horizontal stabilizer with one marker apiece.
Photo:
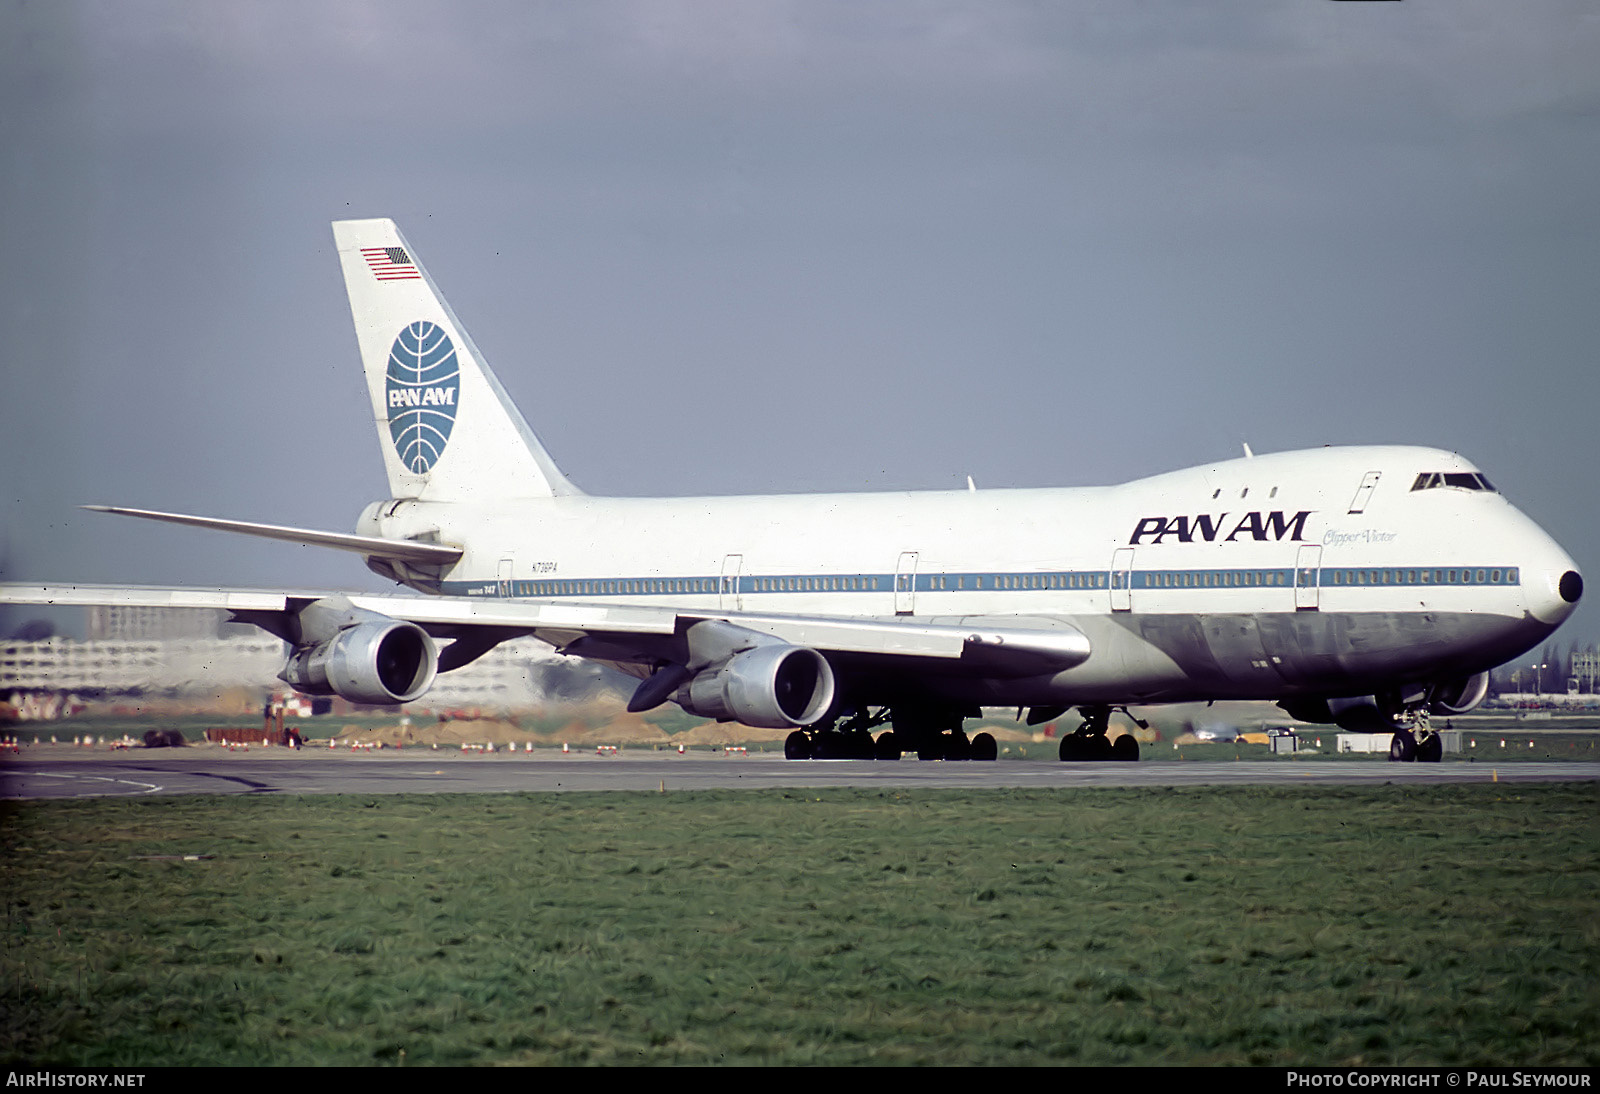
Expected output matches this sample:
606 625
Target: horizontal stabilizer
398 550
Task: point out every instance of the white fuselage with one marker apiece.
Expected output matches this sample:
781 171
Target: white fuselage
1295 573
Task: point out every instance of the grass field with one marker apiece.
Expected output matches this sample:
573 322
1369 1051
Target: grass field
1195 926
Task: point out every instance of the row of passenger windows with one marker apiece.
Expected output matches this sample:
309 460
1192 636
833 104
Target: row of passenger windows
947 582
1466 575
656 585
1141 579
1208 579
1465 480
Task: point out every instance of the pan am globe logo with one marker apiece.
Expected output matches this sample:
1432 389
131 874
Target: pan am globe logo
423 382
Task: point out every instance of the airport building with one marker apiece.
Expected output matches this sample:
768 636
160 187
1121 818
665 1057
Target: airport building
150 652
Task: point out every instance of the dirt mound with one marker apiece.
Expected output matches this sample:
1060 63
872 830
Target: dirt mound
453 734
722 734
623 729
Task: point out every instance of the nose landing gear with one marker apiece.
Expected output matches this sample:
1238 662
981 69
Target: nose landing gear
1414 739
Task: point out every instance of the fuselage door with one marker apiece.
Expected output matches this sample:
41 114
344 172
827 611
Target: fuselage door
1122 580
1307 573
1369 482
728 598
905 583
505 576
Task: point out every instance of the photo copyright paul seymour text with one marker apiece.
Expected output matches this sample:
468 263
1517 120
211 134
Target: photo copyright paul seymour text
1437 1079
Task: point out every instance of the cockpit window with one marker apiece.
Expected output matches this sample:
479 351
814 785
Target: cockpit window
1463 480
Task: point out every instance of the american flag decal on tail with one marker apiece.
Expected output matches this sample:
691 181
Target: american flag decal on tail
390 264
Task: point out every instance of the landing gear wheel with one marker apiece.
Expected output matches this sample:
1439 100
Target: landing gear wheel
957 747
859 745
831 744
1125 747
797 746
984 748
1430 750
887 746
1089 742
1402 747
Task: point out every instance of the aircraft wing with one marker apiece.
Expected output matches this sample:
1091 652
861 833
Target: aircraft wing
645 634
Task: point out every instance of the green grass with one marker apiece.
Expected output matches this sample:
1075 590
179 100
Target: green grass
1198 926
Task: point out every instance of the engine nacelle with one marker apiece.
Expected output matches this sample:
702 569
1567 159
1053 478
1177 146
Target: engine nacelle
1358 713
1458 696
380 661
776 686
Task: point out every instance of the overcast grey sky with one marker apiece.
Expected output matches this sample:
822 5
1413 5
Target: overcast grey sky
748 247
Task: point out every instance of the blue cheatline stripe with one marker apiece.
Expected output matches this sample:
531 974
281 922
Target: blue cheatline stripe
1018 581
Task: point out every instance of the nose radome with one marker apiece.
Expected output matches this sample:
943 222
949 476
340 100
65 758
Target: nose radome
1554 591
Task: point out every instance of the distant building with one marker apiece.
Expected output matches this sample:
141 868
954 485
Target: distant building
123 623
1586 669
515 675
127 666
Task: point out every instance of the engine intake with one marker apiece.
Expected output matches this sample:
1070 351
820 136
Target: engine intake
1458 696
369 659
777 686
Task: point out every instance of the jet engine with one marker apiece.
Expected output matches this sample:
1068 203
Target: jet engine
1458 696
1376 713
1360 713
739 674
363 656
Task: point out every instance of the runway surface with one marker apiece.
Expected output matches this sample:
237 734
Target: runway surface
40 773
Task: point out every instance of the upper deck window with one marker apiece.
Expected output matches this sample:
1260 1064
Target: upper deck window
1463 480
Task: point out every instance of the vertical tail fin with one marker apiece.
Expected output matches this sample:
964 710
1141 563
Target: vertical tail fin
448 430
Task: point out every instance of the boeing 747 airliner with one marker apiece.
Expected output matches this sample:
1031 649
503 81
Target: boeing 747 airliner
1362 586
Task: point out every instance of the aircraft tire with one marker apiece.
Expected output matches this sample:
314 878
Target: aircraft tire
984 749
1077 747
887 746
1431 750
1402 747
1126 748
797 746
857 745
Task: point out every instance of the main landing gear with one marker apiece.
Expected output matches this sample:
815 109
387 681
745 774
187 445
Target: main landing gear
932 735
1091 743
1414 740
